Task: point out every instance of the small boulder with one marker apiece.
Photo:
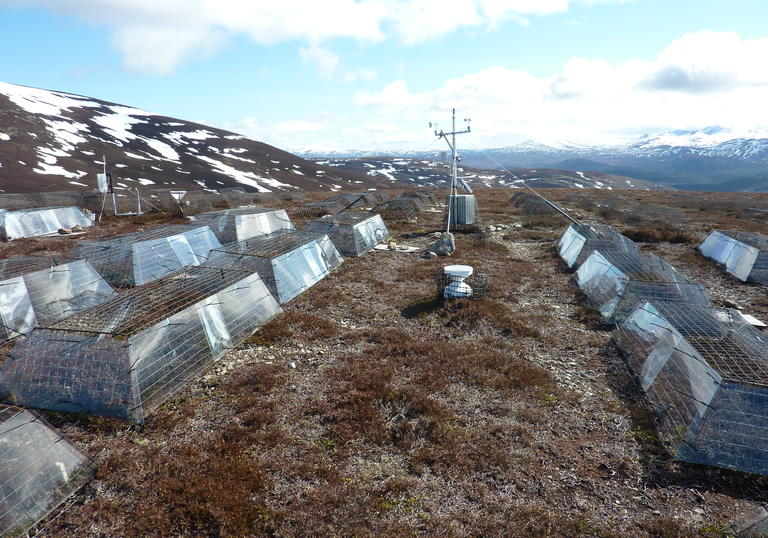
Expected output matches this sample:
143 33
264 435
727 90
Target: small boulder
445 246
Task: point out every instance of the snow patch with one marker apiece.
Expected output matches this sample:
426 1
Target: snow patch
136 156
4 136
55 170
179 136
43 102
246 178
145 181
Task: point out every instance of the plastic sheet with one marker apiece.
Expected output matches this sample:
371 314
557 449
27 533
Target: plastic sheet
141 257
125 357
742 254
37 222
353 234
230 225
39 470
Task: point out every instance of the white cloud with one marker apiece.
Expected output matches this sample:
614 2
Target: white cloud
701 79
329 64
156 36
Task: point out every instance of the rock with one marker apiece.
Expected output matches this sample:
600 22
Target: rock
65 231
292 365
430 255
445 246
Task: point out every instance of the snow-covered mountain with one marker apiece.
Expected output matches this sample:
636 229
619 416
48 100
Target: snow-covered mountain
53 140
712 158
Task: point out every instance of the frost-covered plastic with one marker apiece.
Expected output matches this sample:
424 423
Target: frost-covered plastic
742 254
288 262
41 221
615 282
39 470
353 234
580 240
36 290
141 257
230 225
127 356
705 372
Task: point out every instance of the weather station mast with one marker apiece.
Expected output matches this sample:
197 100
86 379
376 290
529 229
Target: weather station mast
450 139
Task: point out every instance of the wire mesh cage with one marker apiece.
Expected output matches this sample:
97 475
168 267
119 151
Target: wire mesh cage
705 372
230 225
140 257
236 197
39 470
615 282
288 262
353 234
278 196
402 208
742 254
123 203
351 201
427 198
191 203
451 286
320 209
579 241
41 221
126 356
32 200
39 290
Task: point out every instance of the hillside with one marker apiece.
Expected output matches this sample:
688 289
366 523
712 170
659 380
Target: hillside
432 173
52 140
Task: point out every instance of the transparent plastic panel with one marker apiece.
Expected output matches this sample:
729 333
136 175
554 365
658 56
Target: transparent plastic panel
740 261
602 283
166 355
570 246
39 470
246 307
65 289
303 267
17 314
37 222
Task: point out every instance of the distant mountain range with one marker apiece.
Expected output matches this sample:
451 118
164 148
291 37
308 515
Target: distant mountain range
430 173
713 158
53 140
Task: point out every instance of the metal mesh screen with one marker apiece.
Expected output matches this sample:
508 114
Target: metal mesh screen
404 207
705 371
353 234
742 254
137 258
231 225
288 262
41 290
320 209
128 355
39 470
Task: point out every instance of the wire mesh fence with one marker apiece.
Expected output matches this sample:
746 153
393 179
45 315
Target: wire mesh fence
39 470
39 290
320 209
401 208
128 355
236 197
41 221
579 241
288 262
353 234
140 257
615 282
742 254
705 372
230 225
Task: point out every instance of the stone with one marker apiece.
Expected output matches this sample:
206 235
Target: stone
445 246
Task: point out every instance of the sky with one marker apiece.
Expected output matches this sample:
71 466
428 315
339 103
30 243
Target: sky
371 74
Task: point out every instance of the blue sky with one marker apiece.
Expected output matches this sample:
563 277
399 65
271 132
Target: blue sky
370 74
